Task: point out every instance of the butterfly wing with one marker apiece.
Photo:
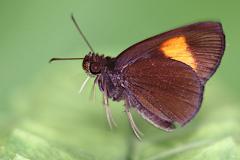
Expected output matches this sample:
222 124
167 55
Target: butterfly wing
166 89
200 45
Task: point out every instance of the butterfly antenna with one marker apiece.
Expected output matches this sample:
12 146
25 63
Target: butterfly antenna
60 59
81 33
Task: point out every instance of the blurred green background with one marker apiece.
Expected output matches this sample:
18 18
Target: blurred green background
43 117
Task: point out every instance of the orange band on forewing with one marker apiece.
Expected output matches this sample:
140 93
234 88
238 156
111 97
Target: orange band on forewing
177 48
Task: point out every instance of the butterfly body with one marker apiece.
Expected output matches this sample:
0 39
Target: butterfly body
108 79
162 77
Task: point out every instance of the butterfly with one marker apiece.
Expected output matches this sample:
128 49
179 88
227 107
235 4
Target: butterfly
162 77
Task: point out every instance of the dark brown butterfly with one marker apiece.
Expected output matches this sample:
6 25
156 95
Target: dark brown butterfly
162 77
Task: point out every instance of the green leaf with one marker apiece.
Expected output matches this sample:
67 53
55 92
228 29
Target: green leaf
23 146
224 149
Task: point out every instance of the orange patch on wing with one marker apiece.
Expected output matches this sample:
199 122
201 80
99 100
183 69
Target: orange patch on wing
177 48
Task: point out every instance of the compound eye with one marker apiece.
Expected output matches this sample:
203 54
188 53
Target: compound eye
95 68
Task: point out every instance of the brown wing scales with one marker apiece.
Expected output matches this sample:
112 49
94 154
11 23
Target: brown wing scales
168 88
167 73
200 45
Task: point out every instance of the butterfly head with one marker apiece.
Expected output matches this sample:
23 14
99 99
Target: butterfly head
93 63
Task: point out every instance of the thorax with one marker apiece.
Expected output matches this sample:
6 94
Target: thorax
111 81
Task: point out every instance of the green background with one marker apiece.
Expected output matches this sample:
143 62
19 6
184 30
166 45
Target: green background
43 117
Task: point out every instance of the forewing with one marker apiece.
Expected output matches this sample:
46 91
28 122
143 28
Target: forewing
166 88
200 46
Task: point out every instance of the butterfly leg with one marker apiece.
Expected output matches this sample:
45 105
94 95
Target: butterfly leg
93 92
83 85
108 111
134 127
